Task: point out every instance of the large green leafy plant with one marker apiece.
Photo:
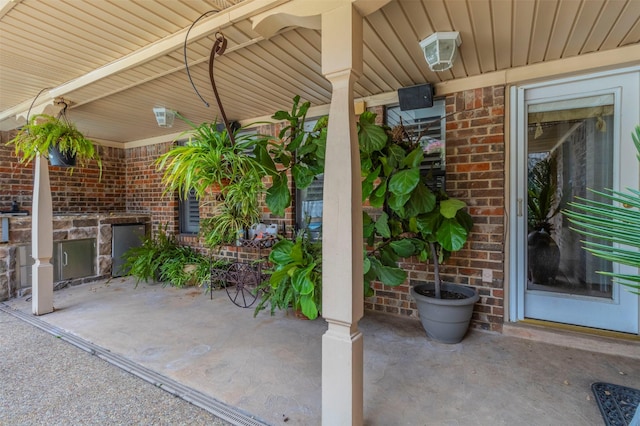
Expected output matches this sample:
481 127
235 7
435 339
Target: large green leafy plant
211 161
144 262
209 158
410 219
296 152
413 219
614 224
296 277
162 258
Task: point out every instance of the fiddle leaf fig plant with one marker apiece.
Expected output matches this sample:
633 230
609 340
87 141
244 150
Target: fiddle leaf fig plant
295 152
407 218
296 277
414 220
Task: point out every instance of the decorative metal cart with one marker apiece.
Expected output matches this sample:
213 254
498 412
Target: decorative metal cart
242 277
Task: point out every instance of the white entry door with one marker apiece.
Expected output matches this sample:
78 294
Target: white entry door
570 136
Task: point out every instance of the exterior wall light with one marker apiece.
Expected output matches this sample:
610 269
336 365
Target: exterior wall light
164 116
441 49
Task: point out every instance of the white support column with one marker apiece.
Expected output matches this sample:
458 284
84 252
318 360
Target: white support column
342 298
42 240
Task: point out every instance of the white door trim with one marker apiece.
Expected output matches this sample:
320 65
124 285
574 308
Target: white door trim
517 206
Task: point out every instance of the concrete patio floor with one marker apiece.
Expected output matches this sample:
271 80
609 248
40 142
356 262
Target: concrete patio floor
270 366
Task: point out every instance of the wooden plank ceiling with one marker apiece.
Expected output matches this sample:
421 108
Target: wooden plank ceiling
56 43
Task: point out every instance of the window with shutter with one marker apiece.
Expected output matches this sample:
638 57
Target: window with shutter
309 200
189 211
431 124
189 214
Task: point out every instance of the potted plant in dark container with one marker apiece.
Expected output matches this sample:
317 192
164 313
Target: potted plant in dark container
415 220
57 139
543 254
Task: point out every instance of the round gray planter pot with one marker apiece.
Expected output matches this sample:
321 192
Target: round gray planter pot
445 320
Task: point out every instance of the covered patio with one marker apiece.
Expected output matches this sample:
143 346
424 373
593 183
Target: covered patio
268 369
113 62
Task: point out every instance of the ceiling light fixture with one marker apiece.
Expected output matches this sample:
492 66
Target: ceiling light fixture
440 50
164 116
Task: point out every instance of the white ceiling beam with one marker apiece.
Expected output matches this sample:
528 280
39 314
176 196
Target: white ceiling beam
169 44
148 53
7 5
306 14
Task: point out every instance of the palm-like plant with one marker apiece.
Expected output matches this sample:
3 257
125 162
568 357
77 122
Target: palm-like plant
616 224
541 195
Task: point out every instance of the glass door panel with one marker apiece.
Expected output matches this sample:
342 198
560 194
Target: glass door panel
570 148
571 136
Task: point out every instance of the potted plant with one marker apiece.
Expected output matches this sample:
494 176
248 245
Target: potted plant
163 259
57 139
296 277
410 218
543 254
144 262
236 211
296 152
185 266
614 226
209 160
414 220
215 166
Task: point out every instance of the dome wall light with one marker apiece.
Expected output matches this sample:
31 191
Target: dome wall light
164 116
441 49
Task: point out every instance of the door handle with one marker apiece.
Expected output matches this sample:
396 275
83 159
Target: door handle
64 258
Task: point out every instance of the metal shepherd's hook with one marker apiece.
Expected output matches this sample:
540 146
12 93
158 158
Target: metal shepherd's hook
218 49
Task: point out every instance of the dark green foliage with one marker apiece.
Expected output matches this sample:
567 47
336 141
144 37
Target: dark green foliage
163 259
415 221
296 151
296 277
541 195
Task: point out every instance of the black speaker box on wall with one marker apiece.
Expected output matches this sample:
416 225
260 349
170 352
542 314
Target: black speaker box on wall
415 97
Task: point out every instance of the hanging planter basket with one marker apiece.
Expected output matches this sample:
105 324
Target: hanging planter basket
57 138
61 159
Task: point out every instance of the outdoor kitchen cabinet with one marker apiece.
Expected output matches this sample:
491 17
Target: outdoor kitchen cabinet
74 259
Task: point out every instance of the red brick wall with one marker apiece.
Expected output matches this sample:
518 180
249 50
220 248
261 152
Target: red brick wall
144 189
475 174
81 191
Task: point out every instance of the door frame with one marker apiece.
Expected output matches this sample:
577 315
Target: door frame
517 206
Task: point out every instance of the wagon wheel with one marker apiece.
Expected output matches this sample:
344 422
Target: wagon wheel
242 287
218 278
